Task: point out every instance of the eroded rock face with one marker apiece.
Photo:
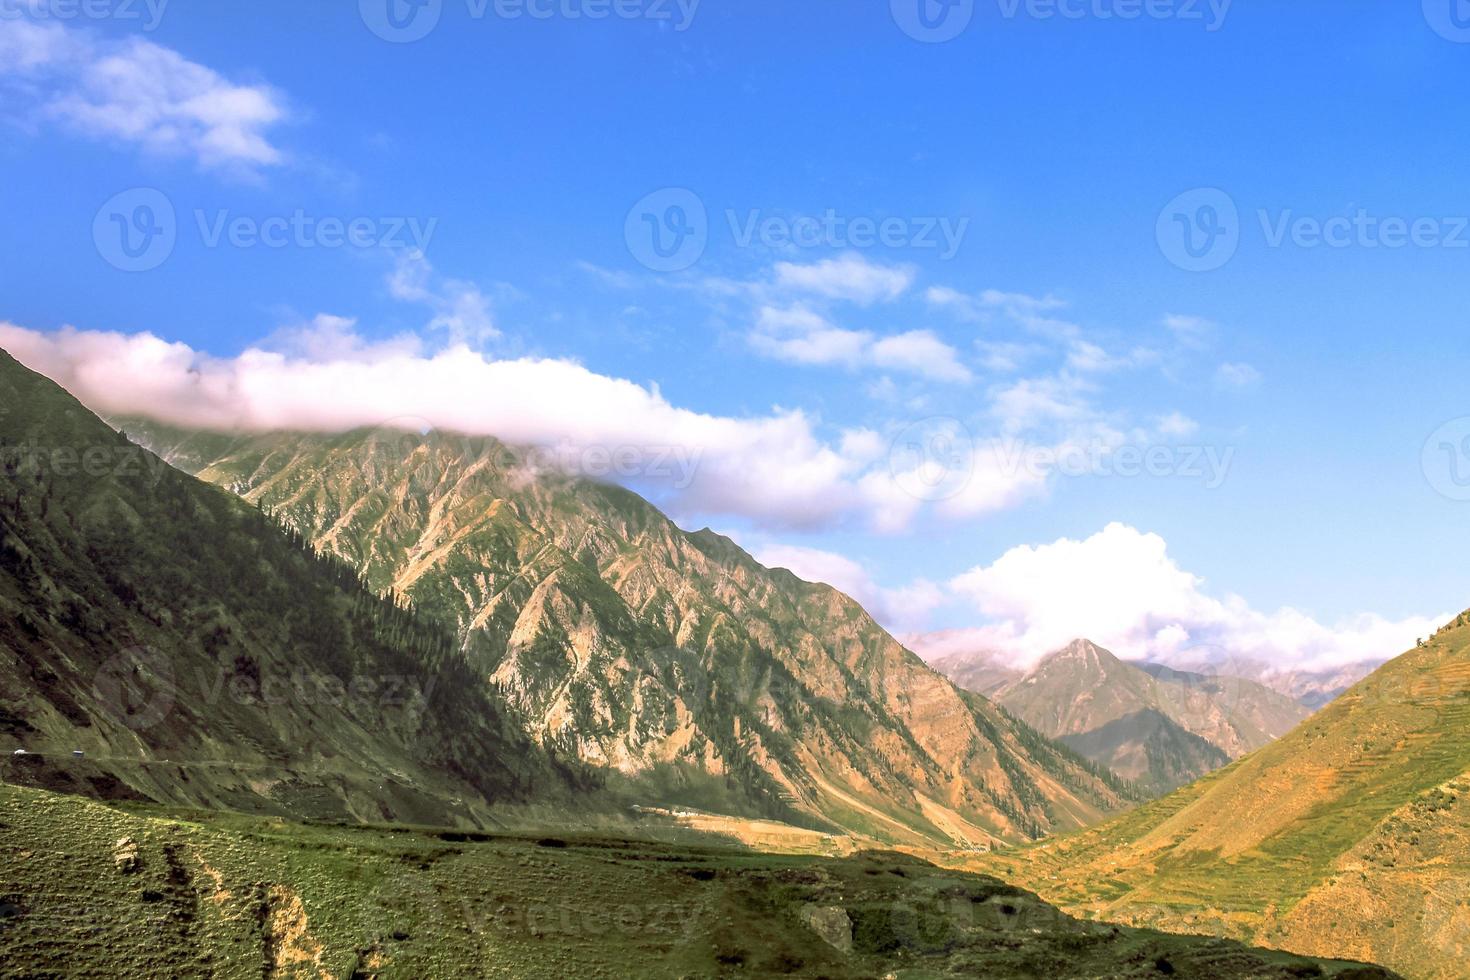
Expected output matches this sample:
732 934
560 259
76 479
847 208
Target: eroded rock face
831 923
125 856
671 657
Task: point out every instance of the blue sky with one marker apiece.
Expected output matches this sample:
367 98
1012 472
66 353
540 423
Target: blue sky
1048 146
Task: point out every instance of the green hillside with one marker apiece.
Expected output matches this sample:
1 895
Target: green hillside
1349 835
197 655
87 890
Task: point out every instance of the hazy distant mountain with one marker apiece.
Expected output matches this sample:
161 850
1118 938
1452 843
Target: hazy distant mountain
1312 688
981 672
1156 726
1350 834
670 658
198 656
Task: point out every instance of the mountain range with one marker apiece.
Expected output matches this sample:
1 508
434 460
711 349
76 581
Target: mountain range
1150 724
322 633
1350 834
674 662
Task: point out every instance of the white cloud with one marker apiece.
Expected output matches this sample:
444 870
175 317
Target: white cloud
461 310
1237 376
1030 403
775 470
798 335
140 93
983 305
1087 357
849 277
1121 589
907 607
334 338
920 352
1177 425
1191 331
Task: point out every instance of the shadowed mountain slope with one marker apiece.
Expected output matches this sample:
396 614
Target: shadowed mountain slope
197 655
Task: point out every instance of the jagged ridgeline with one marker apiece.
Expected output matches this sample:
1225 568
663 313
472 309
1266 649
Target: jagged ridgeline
197 654
681 667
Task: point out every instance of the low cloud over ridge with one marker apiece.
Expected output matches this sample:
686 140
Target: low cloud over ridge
775 470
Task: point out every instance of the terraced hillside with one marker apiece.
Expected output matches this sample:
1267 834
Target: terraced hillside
1349 835
88 890
671 659
197 655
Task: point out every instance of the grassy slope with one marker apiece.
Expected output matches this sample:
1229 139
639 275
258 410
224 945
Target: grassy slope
1350 836
178 636
88 890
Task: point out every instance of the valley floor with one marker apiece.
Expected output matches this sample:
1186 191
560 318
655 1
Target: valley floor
89 889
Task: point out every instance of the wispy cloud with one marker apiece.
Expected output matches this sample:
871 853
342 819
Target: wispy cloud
849 278
461 309
801 336
1235 375
138 93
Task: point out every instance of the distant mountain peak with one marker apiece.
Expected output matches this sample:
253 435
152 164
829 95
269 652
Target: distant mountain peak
1108 709
1082 652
